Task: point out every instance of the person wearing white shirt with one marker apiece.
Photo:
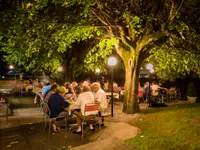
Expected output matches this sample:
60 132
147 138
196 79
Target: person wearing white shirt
100 96
86 97
155 89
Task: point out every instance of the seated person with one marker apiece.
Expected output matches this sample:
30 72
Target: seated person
39 84
46 88
140 93
86 97
4 100
100 96
70 91
146 91
76 88
28 86
48 94
58 107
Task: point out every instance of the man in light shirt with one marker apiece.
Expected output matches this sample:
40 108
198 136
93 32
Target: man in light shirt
48 94
86 97
100 96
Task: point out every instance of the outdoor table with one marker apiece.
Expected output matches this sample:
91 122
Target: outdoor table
5 91
7 106
116 95
73 108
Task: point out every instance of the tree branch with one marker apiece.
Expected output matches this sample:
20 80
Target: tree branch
100 19
121 52
150 38
171 10
130 28
172 17
123 37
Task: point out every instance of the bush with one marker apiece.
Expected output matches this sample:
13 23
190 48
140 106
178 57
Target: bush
192 90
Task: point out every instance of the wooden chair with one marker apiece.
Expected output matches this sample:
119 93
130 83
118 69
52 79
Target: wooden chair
91 113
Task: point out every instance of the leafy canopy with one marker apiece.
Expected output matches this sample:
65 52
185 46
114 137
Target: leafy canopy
43 30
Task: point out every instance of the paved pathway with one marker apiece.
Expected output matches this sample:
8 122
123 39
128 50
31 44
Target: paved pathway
107 144
24 132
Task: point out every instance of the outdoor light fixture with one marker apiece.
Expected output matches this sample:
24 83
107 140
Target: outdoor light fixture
98 73
112 61
152 70
60 69
11 67
149 66
97 70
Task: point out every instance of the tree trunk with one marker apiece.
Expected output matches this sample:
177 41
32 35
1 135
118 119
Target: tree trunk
67 73
132 69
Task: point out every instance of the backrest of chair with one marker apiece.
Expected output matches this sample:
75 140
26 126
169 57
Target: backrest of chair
46 109
91 109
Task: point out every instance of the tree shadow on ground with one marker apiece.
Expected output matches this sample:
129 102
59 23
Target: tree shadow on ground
33 137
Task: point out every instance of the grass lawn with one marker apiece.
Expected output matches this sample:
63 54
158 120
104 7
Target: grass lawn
176 127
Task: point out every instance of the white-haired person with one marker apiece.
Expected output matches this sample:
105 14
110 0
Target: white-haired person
100 96
86 97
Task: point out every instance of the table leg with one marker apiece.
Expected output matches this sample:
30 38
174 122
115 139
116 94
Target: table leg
7 114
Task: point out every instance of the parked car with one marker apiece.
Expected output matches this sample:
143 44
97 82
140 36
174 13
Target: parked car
14 72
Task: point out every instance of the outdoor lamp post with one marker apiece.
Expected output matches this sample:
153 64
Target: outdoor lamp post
112 62
151 70
11 67
97 72
149 66
60 69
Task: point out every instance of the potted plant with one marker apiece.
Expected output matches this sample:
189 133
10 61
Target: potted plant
192 93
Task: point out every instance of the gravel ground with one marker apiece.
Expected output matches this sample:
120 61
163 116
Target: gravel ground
120 116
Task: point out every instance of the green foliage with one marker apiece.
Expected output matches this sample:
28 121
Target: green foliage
179 55
98 54
192 91
74 34
40 35
29 43
171 62
40 41
95 57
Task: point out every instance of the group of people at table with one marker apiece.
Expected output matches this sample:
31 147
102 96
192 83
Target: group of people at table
62 100
153 92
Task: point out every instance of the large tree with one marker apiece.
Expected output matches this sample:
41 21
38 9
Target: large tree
140 28
136 28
